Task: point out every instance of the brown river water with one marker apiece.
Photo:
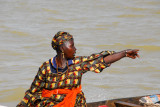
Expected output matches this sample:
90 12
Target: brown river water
27 27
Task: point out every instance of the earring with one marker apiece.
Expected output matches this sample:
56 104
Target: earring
62 54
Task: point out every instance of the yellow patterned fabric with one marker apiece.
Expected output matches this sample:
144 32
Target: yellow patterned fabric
45 79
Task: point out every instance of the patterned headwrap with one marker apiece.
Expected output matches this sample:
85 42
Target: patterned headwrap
60 38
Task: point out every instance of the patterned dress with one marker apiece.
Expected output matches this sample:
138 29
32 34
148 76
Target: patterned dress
46 79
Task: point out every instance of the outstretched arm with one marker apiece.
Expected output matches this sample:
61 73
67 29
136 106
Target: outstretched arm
131 53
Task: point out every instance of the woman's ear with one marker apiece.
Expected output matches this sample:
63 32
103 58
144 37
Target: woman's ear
62 51
62 48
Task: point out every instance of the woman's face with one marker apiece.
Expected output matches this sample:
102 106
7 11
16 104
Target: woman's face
69 49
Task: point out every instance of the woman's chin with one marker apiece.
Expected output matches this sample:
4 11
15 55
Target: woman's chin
71 58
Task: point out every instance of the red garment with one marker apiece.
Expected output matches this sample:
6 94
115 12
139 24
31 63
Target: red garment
69 100
103 106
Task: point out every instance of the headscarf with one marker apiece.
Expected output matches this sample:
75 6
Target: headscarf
60 38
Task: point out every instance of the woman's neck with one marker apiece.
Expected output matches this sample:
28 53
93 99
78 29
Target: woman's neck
61 61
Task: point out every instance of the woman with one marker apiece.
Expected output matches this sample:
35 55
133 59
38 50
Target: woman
58 81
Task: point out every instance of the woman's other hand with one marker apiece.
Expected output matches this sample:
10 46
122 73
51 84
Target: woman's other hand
132 53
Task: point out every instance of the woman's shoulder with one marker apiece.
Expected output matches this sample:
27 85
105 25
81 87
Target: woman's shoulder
44 65
81 59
